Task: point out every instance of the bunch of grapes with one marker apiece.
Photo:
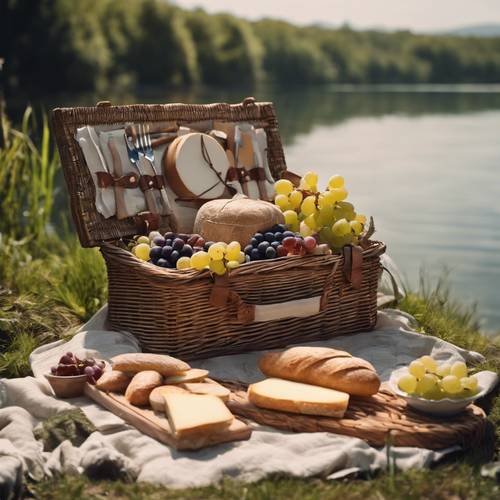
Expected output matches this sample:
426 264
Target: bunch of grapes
187 251
325 214
70 365
280 242
429 380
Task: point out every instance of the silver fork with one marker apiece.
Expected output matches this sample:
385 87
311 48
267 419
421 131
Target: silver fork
144 146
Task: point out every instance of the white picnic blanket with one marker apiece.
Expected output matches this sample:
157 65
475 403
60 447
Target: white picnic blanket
28 401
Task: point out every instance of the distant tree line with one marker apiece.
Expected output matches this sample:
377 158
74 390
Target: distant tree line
67 45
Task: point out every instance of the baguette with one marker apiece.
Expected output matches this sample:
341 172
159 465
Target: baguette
113 381
137 362
324 367
141 385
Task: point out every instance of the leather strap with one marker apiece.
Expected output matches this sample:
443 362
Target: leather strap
353 265
146 222
127 181
293 178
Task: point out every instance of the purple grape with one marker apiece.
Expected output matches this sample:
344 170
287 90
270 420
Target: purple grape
270 253
155 253
278 236
97 372
187 251
169 235
263 246
166 252
162 262
278 227
168 242
207 245
248 249
183 237
259 237
269 237
287 234
197 249
254 242
101 365
174 257
53 370
66 360
255 255
177 244
275 244
247 258
159 241
89 371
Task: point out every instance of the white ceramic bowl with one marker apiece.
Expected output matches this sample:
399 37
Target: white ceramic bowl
447 406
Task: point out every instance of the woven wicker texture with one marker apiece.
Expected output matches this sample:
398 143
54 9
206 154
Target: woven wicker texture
373 419
91 226
170 312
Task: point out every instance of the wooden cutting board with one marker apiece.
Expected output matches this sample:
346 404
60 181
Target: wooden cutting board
376 420
156 424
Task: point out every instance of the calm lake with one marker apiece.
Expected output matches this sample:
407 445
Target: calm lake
424 161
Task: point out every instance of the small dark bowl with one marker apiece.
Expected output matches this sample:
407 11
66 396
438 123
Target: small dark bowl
67 386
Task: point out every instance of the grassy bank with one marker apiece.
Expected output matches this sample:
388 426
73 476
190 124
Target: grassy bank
49 285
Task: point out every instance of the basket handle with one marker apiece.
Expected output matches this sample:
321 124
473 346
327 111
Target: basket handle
222 295
394 284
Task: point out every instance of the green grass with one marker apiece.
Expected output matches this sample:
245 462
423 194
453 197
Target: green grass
49 285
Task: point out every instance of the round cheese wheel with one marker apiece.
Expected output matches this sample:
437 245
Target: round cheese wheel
237 219
196 166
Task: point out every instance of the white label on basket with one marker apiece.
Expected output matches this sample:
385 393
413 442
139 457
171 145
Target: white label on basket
292 309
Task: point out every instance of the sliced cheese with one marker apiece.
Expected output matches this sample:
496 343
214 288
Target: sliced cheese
195 414
157 396
192 375
207 388
285 395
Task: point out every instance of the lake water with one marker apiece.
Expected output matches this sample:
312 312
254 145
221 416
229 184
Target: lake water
424 161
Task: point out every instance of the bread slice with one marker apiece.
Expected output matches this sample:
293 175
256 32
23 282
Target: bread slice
195 414
212 389
295 397
192 375
139 361
157 396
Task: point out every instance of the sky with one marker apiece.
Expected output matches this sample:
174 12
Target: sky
416 15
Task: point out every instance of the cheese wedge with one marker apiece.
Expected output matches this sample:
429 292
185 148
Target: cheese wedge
157 396
195 414
295 397
192 375
207 388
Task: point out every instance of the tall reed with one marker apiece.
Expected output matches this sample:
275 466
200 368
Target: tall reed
27 172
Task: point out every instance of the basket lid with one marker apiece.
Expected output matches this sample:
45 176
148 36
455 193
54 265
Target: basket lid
91 226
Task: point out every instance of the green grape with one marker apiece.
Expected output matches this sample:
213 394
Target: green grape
339 194
325 235
310 220
310 179
341 228
443 369
451 384
417 369
144 239
469 383
217 266
361 218
336 181
348 210
295 226
426 384
407 383
305 230
459 369
308 206
281 201
142 250
283 186
295 199
429 363
326 199
325 216
291 217
233 251
232 264
216 251
200 260
241 258
435 394
357 227
183 263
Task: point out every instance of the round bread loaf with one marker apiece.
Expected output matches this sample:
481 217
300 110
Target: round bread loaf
237 219
322 366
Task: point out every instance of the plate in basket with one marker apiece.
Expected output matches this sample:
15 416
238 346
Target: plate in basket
446 406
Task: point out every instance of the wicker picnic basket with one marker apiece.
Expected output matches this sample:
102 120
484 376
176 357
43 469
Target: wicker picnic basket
190 314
